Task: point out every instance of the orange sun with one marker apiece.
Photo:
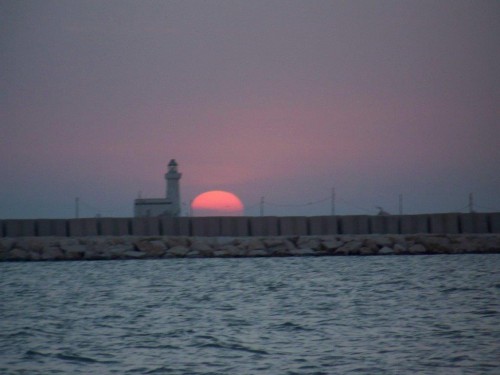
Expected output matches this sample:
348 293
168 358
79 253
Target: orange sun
217 203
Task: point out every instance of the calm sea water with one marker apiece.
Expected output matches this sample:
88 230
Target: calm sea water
331 315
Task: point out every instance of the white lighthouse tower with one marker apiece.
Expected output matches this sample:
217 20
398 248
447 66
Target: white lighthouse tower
161 207
173 192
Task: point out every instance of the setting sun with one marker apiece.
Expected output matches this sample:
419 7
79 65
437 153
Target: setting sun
217 203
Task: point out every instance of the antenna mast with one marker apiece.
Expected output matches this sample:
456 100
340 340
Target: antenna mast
333 201
77 207
471 203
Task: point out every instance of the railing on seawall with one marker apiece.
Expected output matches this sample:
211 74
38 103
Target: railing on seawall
450 223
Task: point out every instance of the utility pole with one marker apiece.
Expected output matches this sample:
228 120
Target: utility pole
261 206
333 201
471 203
401 204
77 207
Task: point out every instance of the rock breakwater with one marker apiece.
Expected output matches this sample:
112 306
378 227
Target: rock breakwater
146 247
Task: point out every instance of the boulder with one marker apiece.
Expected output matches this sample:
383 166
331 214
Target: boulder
371 244
119 240
464 244
21 251
233 250
309 243
352 247
34 255
254 244
194 254
435 244
118 251
386 251
302 252
400 248
52 253
224 241
178 241
367 250
18 254
91 254
33 244
273 242
487 243
102 248
343 250
72 243
222 253
355 244
492 243
153 248
288 245
383 241
73 252
240 252
134 254
417 249
258 253
178 251
6 244
331 244
279 248
348 238
456 249
203 247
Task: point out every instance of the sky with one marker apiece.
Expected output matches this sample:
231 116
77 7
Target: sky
274 101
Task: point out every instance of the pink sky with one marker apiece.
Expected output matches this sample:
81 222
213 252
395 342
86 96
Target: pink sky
277 99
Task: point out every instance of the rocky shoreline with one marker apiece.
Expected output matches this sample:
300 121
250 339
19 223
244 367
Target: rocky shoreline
147 247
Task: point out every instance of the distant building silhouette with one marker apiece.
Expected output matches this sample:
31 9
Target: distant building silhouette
169 206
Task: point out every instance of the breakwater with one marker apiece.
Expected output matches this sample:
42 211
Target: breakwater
449 223
136 238
154 247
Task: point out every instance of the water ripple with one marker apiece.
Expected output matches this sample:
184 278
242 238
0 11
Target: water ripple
390 315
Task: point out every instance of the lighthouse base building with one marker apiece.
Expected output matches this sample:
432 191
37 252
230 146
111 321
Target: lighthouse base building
170 206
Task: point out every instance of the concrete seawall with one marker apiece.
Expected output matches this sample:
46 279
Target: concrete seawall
450 223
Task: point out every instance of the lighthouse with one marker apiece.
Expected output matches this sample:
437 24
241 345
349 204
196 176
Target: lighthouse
163 207
173 192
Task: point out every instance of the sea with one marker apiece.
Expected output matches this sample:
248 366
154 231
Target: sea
431 314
